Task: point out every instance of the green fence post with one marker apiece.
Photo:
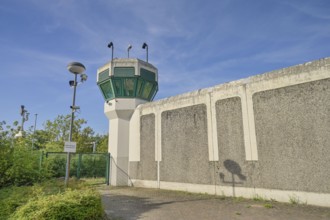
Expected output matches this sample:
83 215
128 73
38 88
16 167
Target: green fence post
79 164
107 169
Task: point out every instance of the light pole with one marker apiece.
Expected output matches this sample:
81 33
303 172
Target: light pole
76 68
110 45
128 49
25 116
34 129
145 46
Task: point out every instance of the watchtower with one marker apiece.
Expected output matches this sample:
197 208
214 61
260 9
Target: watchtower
125 84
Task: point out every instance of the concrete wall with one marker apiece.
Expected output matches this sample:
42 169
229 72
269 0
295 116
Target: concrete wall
146 168
184 146
267 135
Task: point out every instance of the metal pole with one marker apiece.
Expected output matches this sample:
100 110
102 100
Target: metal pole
147 54
67 172
34 130
79 165
94 147
107 168
40 160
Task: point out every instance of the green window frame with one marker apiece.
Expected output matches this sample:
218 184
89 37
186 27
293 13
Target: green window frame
107 90
104 75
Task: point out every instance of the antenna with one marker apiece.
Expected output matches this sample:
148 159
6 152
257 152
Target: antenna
128 49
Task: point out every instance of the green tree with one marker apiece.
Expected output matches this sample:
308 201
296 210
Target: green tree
57 132
101 143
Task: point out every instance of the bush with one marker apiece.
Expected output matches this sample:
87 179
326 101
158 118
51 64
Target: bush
56 165
71 205
11 198
20 166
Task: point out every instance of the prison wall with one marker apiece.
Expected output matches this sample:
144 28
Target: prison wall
264 136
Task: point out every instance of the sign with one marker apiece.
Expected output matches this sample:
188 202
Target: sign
70 147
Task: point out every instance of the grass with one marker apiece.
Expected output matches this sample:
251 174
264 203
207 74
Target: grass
51 200
268 206
294 200
258 198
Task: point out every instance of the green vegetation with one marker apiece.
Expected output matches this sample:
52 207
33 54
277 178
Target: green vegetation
294 200
268 205
28 185
50 200
21 160
256 197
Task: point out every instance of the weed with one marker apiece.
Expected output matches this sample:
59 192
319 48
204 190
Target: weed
268 206
258 198
294 200
239 199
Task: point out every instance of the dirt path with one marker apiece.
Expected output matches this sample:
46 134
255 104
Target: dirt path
139 203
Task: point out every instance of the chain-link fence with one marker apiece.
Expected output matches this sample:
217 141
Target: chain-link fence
82 165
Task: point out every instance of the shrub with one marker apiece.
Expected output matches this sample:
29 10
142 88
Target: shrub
11 198
20 166
71 205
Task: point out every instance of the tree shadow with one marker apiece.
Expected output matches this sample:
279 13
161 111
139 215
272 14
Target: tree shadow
235 170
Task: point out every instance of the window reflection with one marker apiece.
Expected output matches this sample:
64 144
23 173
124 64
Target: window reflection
139 88
147 90
129 85
117 87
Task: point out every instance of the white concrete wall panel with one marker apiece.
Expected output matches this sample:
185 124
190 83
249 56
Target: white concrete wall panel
309 111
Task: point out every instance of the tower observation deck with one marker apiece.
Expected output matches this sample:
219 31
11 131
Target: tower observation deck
128 79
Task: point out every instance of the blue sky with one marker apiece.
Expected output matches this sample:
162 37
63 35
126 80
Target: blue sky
193 43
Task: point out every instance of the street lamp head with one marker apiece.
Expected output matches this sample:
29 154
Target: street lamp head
145 45
110 45
76 67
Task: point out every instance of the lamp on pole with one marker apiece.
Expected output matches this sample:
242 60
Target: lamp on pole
25 116
77 69
110 45
128 49
145 46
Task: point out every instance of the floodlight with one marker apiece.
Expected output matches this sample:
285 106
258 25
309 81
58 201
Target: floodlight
22 110
83 77
76 67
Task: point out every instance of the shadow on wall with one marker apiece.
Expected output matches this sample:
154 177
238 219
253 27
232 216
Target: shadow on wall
122 177
235 170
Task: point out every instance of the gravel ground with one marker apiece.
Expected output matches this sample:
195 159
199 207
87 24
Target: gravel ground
130 203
